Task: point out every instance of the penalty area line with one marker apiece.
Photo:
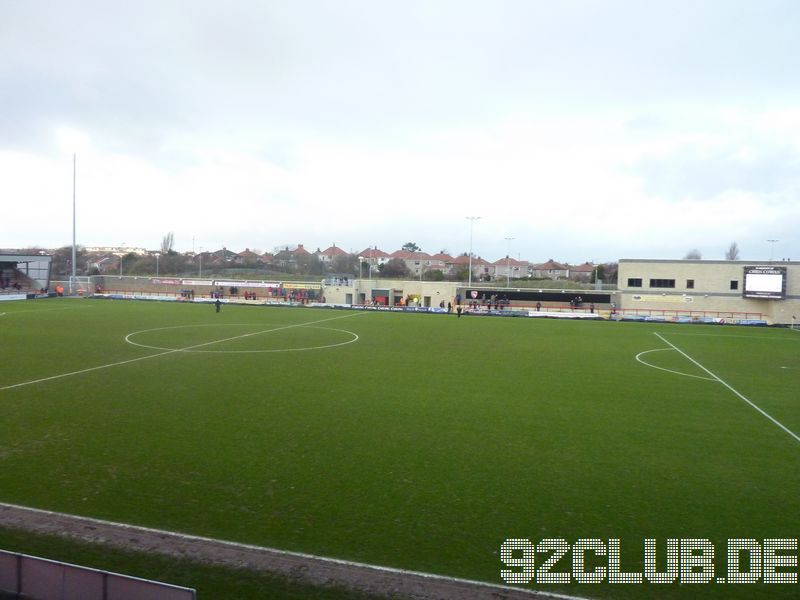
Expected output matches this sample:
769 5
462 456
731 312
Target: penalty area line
732 389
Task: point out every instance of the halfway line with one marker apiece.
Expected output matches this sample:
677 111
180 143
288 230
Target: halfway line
132 360
727 385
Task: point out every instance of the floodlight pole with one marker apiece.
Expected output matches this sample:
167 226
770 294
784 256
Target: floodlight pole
508 262
74 250
471 223
772 248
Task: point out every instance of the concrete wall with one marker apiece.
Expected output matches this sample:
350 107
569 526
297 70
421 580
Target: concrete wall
360 291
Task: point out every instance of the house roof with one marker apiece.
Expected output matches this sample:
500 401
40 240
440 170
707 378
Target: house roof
551 265
372 253
463 259
442 256
224 254
333 251
586 267
286 252
511 262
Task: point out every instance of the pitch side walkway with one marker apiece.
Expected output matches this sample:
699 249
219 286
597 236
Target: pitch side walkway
375 580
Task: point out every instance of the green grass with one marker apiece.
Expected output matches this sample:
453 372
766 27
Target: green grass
422 445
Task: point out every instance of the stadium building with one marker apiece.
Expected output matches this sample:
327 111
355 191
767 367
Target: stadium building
738 290
673 290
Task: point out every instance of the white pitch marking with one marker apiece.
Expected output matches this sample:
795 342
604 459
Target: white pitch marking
41 310
731 335
732 389
188 348
354 338
338 561
638 357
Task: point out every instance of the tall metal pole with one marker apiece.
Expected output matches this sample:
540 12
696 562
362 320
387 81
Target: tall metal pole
772 248
471 222
74 249
508 262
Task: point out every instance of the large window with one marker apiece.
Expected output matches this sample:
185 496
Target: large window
634 282
662 283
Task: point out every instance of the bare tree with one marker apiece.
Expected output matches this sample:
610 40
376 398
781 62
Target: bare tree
167 242
345 263
307 265
733 252
693 254
394 267
61 265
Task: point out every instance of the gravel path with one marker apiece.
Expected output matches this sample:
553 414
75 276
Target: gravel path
378 581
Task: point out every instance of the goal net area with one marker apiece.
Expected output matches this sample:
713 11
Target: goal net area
80 286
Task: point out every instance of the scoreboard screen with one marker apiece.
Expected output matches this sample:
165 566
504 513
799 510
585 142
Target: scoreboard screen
765 282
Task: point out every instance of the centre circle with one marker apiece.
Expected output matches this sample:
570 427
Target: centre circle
195 340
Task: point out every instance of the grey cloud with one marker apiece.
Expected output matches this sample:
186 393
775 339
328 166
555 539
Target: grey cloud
689 173
368 68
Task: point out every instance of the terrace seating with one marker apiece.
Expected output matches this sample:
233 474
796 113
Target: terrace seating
13 281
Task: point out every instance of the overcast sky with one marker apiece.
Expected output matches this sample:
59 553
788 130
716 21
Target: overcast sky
584 130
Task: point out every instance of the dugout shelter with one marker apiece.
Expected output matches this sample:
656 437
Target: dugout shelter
24 273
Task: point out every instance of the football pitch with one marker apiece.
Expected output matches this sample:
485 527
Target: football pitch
416 441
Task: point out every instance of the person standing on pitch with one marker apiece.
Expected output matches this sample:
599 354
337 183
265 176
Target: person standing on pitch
218 304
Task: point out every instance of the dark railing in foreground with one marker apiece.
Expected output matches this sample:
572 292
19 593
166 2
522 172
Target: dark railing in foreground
43 579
